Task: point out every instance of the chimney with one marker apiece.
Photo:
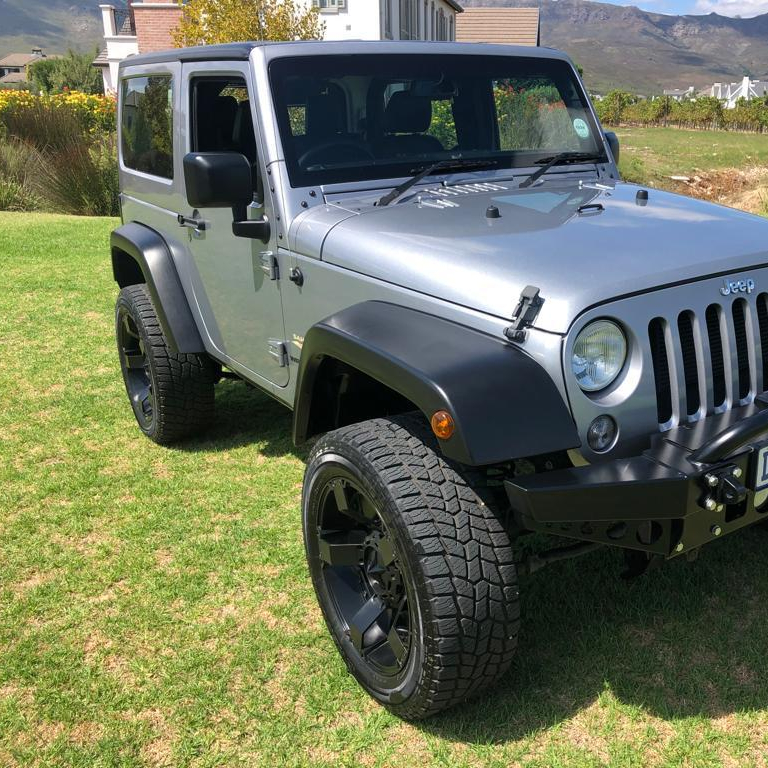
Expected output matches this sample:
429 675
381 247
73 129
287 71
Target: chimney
38 53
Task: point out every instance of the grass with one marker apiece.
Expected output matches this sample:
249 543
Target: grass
155 608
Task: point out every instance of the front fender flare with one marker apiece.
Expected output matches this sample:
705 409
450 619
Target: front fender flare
504 404
152 257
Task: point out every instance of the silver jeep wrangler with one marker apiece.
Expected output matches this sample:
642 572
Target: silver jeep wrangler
425 251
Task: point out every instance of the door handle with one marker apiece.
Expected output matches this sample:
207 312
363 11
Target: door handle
199 225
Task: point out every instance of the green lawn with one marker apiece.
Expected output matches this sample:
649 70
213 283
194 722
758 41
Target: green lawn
652 153
155 607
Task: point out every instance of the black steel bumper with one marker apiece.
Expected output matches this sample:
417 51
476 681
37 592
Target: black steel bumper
696 483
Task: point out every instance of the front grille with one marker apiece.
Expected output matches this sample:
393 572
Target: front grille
709 361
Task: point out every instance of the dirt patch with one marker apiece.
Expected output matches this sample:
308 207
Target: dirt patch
159 750
745 189
33 581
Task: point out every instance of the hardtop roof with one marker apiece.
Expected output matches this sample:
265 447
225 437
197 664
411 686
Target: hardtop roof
242 51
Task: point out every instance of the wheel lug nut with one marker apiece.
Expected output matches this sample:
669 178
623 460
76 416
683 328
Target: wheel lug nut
715 530
711 480
710 504
737 472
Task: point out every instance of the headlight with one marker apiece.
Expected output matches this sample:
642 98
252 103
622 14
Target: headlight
598 355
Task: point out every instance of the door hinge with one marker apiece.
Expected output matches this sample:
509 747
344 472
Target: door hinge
266 261
279 351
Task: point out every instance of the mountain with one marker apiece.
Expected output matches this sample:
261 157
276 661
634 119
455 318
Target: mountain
55 25
617 46
625 47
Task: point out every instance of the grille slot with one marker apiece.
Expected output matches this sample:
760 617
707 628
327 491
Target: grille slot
742 353
660 369
690 367
703 364
762 321
716 355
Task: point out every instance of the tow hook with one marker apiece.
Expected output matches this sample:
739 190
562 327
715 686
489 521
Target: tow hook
723 487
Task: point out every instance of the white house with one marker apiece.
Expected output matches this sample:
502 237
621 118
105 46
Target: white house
747 89
680 94
141 26
121 42
389 19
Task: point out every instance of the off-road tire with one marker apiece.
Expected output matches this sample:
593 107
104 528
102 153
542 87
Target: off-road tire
180 386
451 549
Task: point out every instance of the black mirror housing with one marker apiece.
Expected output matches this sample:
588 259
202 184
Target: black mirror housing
613 143
218 180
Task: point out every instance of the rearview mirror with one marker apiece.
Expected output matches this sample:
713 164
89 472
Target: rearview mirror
613 143
218 180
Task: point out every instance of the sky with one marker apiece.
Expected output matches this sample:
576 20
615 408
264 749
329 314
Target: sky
745 8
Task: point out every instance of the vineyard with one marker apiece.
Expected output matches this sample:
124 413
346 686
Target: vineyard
703 113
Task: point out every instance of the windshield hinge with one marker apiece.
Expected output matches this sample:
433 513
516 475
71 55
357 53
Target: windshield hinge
278 351
525 314
265 262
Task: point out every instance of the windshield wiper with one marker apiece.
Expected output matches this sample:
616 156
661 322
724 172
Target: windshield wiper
561 158
446 164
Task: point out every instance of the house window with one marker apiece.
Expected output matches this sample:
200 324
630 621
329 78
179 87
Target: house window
388 19
451 35
433 30
329 6
426 20
408 20
146 125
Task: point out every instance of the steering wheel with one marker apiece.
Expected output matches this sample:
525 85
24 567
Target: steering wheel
312 153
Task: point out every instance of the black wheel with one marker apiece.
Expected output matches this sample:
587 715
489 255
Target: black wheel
413 571
171 394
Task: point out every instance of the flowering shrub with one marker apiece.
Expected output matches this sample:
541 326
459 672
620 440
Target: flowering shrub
69 142
96 112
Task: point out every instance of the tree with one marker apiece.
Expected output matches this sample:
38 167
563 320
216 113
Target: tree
224 21
41 74
73 72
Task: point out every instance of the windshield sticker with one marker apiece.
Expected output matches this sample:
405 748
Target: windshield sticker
542 202
581 128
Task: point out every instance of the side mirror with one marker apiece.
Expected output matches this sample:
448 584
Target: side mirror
218 180
224 180
613 143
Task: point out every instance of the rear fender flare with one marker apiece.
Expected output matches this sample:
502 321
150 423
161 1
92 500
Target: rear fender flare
139 254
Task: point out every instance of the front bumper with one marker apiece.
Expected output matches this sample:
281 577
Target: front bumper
696 483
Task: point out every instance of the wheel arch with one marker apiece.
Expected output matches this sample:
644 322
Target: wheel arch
504 404
141 255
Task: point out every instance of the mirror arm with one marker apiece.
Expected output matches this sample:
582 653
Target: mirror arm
258 229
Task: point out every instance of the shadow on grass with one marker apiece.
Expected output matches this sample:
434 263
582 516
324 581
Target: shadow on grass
687 640
247 416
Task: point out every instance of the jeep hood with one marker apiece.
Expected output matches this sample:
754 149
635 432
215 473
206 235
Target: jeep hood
445 245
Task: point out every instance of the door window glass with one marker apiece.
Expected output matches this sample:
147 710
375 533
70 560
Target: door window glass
221 119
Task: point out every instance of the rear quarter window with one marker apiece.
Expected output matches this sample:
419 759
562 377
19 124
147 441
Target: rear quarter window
147 125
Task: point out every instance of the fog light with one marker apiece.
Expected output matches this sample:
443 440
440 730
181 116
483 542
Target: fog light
601 434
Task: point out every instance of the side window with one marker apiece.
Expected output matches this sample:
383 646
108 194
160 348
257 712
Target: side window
221 121
147 125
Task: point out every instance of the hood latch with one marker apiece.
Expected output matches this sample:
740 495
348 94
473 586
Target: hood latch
525 314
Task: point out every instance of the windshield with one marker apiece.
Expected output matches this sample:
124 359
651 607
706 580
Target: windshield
361 117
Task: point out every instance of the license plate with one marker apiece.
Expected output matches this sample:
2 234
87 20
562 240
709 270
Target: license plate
761 469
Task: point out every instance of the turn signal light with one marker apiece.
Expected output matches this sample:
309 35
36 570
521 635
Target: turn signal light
443 424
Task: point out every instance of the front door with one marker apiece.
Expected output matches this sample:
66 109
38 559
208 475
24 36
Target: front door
235 279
